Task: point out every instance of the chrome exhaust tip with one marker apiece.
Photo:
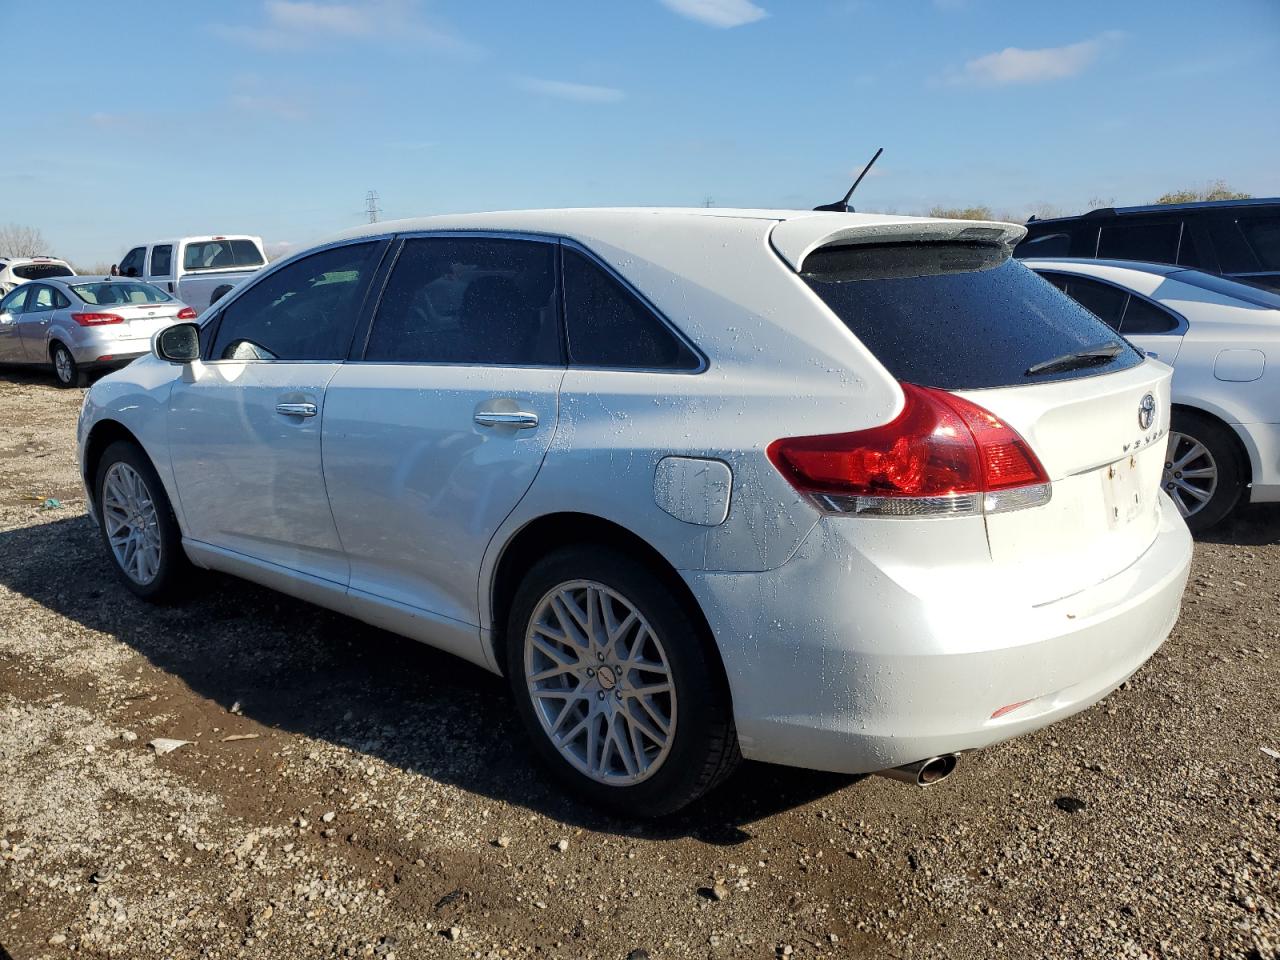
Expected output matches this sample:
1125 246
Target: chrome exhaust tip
923 773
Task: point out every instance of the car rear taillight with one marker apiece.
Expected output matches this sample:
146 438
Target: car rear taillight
186 313
96 319
942 455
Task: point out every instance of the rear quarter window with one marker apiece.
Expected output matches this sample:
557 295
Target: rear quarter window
959 316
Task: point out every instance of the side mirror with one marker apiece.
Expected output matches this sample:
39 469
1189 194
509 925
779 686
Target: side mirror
179 343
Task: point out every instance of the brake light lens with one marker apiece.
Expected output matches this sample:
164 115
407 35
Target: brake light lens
942 455
187 313
96 319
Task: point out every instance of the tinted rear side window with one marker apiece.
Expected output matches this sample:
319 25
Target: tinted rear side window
609 327
1263 236
1155 242
161 260
958 316
469 301
1142 316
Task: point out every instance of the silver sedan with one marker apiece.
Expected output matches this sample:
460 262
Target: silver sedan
76 324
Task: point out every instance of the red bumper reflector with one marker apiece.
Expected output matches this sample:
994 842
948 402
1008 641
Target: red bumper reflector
1009 709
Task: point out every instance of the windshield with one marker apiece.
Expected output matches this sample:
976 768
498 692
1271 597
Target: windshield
961 316
40 271
108 292
221 255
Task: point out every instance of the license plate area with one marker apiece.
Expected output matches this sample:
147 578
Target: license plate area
1122 492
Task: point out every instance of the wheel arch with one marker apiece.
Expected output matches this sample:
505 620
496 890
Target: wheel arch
104 433
1246 451
545 534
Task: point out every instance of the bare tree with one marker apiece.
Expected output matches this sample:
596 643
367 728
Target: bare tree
17 240
1214 190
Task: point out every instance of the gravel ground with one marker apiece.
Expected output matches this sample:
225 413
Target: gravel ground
348 793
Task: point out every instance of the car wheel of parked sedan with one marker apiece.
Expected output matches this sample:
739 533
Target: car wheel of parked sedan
618 685
65 367
1202 471
137 524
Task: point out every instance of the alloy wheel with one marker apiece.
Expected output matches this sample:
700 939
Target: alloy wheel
62 364
1190 473
600 683
131 523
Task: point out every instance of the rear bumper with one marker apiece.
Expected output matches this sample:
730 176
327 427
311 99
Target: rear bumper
833 665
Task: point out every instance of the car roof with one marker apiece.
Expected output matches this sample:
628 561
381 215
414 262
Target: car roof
1189 206
38 258
1223 286
792 233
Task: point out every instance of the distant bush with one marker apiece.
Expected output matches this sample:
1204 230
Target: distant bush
1216 190
17 240
962 213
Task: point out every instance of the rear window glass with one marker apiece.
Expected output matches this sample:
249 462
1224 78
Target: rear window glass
221 255
40 271
960 316
119 292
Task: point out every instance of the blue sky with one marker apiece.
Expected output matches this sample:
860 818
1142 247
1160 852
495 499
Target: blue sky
130 122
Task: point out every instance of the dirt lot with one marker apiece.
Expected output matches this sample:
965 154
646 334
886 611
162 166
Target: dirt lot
382 803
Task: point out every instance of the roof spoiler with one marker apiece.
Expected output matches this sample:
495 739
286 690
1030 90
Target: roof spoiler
797 238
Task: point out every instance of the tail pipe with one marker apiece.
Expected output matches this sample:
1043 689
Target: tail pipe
924 773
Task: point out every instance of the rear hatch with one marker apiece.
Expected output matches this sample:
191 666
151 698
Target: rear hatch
963 317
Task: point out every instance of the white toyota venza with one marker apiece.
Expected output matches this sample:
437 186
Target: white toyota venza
850 492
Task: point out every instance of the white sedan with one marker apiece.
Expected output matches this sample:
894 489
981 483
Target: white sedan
1223 340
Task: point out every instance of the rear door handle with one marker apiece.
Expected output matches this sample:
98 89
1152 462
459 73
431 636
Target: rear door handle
297 409
520 419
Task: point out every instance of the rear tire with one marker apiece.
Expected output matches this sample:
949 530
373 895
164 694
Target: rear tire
219 293
642 754
1203 471
138 526
65 369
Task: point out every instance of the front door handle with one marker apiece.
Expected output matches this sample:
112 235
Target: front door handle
520 419
297 409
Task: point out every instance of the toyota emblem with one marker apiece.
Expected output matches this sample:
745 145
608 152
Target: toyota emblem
1147 412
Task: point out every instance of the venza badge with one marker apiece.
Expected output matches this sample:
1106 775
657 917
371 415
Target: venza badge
1147 412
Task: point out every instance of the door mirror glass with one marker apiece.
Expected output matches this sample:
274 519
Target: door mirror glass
178 344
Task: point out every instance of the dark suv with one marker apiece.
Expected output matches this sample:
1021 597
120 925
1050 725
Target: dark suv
1235 238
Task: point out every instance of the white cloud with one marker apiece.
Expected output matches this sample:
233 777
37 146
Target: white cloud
577 92
1014 65
717 13
297 24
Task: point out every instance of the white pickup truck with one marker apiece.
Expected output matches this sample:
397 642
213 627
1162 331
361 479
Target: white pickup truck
196 270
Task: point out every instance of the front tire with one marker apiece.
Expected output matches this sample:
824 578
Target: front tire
1203 473
65 369
617 684
138 526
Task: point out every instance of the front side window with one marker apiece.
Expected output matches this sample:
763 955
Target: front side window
131 265
12 304
306 310
116 292
221 255
609 327
469 301
161 260
1153 242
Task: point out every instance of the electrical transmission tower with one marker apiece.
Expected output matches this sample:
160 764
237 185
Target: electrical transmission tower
371 205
